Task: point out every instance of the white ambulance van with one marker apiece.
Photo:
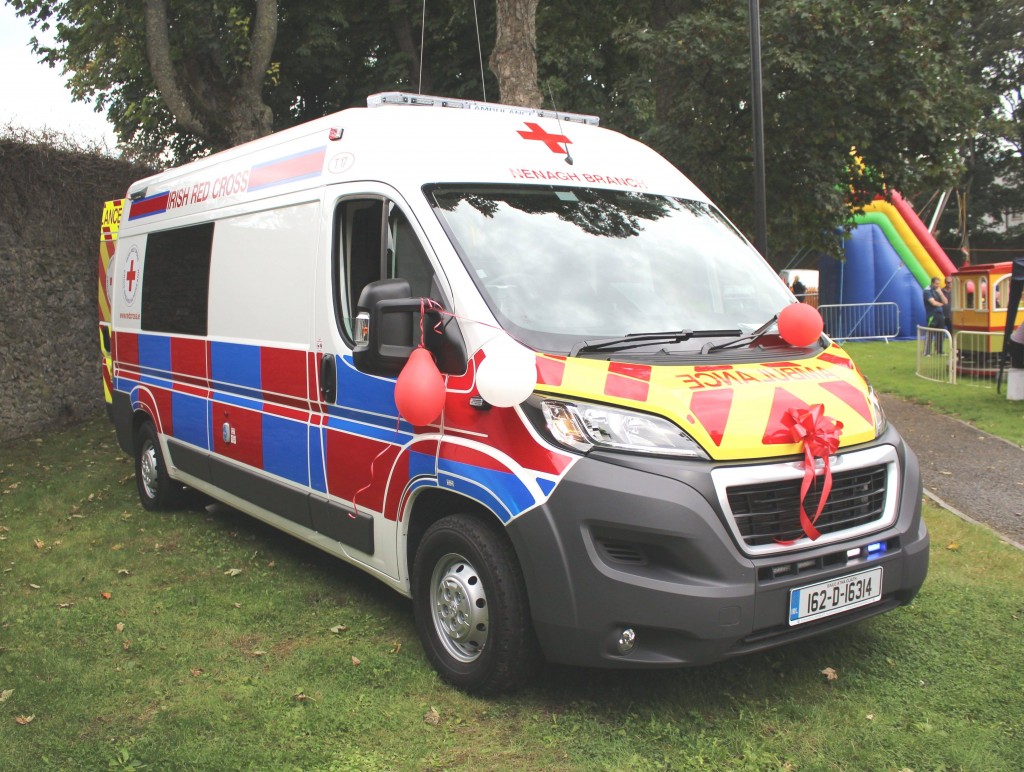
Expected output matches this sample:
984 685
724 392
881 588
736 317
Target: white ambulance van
520 369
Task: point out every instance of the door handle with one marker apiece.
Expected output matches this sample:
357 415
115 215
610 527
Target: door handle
328 379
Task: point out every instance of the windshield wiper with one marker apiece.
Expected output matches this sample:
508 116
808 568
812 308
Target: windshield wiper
748 339
637 339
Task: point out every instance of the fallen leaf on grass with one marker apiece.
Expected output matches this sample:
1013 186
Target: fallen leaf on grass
830 674
953 547
39 544
396 647
123 572
65 605
303 697
870 717
119 627
195 672
22 720
257 653
233 572
5 695
106 595
356 661
126 645
34 586
432 717
338 629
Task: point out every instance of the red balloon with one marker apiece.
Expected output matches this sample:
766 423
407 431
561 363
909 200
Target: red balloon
420 391
800 324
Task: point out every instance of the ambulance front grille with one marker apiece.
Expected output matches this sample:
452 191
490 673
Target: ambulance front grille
768 513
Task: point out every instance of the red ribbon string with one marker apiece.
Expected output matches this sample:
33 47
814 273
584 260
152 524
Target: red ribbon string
820 437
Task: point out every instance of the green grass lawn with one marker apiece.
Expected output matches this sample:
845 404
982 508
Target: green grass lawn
203 639
890 367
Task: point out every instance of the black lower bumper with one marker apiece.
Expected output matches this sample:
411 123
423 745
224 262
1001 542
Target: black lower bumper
644 545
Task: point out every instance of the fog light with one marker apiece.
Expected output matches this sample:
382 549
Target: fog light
627 641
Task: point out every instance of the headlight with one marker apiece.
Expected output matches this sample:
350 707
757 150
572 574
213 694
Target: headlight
880 420
583 426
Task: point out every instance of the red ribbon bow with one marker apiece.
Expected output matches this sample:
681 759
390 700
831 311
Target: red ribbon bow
820 437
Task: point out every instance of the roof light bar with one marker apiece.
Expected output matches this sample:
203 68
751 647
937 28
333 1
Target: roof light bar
402 98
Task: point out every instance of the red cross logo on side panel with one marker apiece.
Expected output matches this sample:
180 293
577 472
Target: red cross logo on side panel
551 140
131 275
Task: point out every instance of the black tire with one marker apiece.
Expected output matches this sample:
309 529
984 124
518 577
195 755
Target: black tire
472 613
157 491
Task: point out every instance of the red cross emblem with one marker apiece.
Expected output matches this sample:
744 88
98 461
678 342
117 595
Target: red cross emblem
555 142
131 276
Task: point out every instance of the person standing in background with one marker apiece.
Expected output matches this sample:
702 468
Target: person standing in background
934 306
1017 347
947 307
799 289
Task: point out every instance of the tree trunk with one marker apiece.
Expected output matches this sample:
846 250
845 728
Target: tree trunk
221 113
666 78
514 58
408 45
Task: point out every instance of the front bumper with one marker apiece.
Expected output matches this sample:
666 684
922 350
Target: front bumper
628 542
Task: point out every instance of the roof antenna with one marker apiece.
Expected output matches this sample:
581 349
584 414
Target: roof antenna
558 117
479 50
423 35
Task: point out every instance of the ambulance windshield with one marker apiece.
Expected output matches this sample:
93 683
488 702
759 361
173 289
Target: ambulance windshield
557 265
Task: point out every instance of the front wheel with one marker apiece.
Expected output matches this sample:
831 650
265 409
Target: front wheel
157 491
471 608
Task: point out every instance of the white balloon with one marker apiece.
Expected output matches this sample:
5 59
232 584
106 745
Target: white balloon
508 374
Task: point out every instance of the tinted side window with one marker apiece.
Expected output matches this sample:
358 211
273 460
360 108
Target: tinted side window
175 286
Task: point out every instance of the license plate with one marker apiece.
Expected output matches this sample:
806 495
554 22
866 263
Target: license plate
834 596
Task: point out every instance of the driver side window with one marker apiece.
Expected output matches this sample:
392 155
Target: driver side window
374 240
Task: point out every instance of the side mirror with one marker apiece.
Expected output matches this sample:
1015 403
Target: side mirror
384 327
388 329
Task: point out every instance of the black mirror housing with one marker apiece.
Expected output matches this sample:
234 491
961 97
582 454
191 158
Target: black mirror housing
393 328
388 307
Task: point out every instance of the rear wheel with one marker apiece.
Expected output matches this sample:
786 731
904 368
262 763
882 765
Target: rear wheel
157 490
471 608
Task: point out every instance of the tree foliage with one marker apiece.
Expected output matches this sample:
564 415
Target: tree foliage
929 93
992 183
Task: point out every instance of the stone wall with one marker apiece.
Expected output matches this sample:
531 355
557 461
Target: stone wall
51 201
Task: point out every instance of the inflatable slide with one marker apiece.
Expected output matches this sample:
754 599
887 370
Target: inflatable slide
890 257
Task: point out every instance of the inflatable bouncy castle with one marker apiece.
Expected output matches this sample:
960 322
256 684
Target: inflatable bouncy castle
890 257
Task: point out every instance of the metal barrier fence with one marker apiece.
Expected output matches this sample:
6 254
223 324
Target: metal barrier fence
936 354
966 357
861 321
977 357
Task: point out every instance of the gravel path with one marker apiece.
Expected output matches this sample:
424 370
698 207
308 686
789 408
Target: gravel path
969 470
